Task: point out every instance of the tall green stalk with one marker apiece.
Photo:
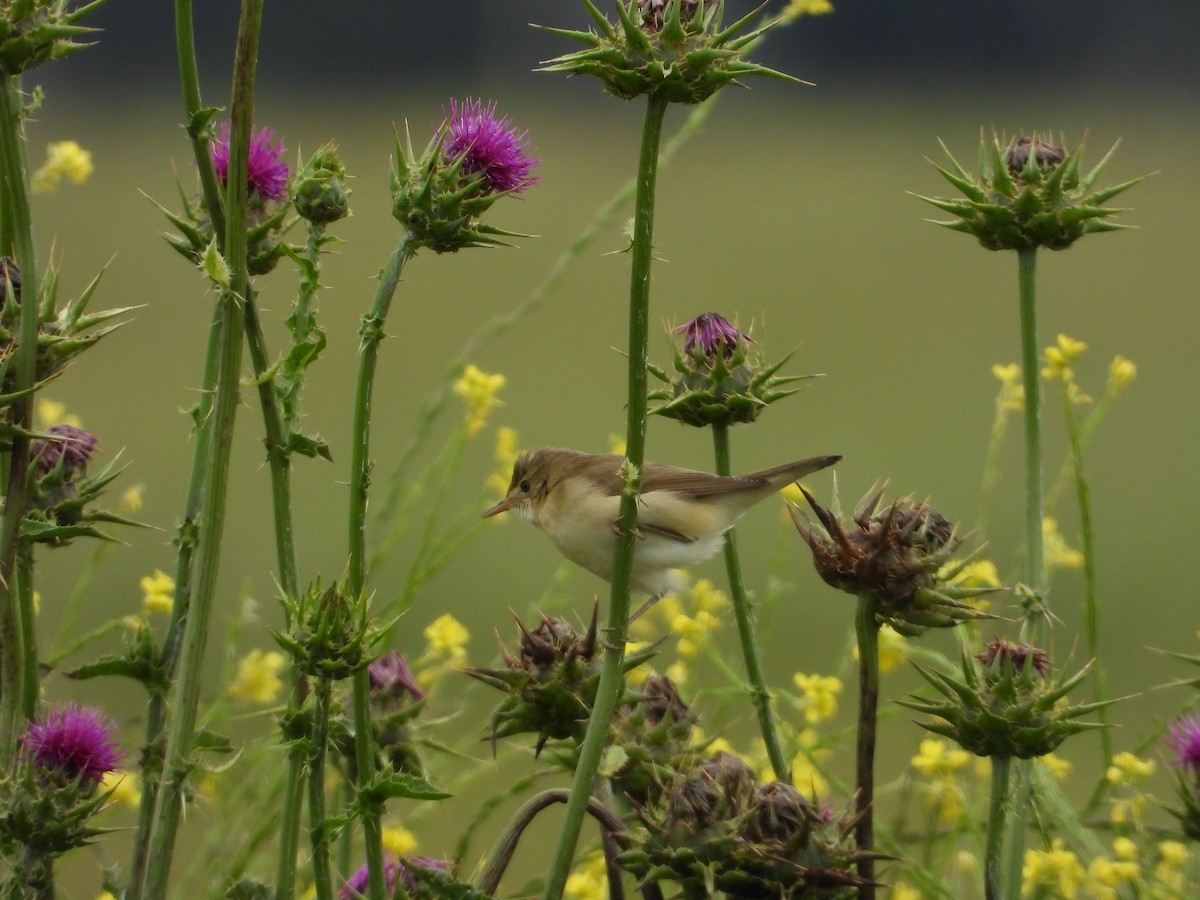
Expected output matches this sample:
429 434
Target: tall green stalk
998 802
612 676
371 333
169 800
318 827
760 697
866 630
16 226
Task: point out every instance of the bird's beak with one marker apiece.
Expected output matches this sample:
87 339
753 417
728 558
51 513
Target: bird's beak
503 506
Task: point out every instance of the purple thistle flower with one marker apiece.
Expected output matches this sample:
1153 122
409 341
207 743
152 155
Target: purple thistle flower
493 147
72 741
1184 740
1015 655
711 332
356 885
391 676
75 444
266 172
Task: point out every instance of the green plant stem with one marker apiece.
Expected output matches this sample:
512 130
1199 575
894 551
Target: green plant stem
189 77
1035 571
612 675
289 818
30 682
16 226
760 697
317 826
169 799
370 334
866 630
1001 768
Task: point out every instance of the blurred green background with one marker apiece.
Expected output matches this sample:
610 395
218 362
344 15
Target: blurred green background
790 209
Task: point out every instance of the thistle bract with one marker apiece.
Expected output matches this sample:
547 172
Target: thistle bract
551 682
1183 740
38 31
897 555
676 50
1029 193
1006 703
319 191
718 378
654 737
328 634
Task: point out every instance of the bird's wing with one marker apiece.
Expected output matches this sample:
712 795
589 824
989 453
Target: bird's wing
691 483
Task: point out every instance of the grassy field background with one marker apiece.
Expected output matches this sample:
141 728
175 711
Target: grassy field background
790 209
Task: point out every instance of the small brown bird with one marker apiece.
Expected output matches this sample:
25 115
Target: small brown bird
574 498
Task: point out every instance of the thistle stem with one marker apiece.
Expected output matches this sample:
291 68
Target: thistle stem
317 826
760 697
371 333
16 229
1035 576
866 629
168 801
612 673
1001 769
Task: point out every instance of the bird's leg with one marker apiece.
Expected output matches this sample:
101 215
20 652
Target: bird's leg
645 606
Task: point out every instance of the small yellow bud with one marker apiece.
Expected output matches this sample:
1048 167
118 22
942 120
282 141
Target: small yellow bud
64 159
1121 373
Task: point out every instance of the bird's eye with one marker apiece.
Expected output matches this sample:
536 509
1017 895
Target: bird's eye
525 486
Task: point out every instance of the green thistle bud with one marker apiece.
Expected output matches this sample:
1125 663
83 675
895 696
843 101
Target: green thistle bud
1029 193
653 735
676 50
36 31
551 682
328 636
1006 703
720 828
319 190
897 555
718 380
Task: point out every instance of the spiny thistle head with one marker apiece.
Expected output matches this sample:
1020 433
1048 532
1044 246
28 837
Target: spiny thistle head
1006 703
718 379
472 160
71 743
1183 740
266 172
355 887
397 699
653 737
328 634
551 681
36 31
676 50
319 192
897 555
1029 193
68 450
719 827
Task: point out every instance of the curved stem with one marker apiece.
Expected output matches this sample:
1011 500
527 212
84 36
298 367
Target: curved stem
168 802
760 697
1035 576
612 675
318 829
866 629
1001 767
16 227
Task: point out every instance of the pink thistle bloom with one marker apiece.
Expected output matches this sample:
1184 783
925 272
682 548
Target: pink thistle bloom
391 676
266 172
493 147
356 885
73 443
711 333
72 741
1184 739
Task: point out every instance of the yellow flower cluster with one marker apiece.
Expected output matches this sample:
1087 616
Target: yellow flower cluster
1056 872
818 698
52 412
588 881
1058 554
257 679
1012 392
1058 767
158 592
1169 871
506 455
1060 356
398 840
478 390
806 777
445 649
1127 771
1107 876
692 622
798 8
892 649
64 159
1121 373
125 786
939 763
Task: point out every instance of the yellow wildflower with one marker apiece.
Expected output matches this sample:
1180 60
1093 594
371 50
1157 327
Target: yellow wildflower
158 592
64 159
257 677
1056 869
505 456
1169 871
1012 391
105 895
966 862
1058 554
1058 767
1106 876
1121 373
820 696
798 8
616 444
1128 810
945 796
678 673
1060 356
892 645
125 787
588 881
1129 769
706 597
806 778
447 637
131 500
935 758
52 412
398 840
635 677
478 390
901 891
